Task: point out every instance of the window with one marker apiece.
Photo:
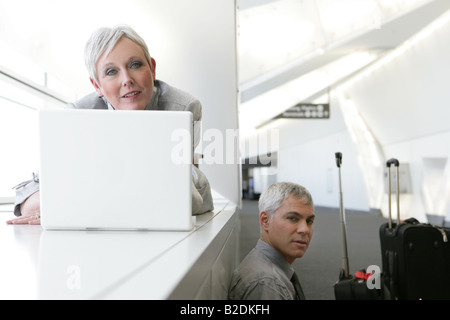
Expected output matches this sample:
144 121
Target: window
23 91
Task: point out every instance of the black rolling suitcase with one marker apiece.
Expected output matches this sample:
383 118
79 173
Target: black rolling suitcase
361 286
415 256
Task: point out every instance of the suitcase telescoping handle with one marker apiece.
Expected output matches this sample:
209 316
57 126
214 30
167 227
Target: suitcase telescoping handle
345 266
396 163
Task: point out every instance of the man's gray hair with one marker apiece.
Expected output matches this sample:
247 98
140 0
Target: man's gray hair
270 200
103 40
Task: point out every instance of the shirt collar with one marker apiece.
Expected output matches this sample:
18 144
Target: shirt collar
273 255
153 104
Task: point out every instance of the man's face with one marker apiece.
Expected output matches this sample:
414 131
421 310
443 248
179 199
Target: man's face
291 229
125 78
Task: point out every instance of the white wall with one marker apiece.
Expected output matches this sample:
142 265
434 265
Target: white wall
199 56
306 155
313 165
405 103
193 42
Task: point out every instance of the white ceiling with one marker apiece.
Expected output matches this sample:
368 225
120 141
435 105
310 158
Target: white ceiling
283 41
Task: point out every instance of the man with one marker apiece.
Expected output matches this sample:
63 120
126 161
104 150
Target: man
286 221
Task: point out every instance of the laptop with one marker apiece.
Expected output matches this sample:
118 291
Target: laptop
115 170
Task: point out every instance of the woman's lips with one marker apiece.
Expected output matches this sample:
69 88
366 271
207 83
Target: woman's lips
131 95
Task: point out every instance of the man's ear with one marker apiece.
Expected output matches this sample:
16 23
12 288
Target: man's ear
97 88
264 220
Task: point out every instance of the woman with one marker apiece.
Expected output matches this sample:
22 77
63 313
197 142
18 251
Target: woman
123 74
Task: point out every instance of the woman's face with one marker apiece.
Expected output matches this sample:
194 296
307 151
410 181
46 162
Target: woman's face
125 78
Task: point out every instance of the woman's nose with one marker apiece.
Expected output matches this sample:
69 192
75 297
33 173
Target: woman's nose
127 80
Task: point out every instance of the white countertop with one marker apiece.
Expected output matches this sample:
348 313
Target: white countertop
39 264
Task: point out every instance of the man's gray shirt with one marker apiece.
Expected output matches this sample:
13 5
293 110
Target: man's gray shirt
264 274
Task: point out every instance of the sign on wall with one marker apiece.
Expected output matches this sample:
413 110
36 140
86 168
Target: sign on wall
307 111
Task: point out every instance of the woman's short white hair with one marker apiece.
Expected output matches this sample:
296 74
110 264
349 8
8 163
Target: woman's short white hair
103 40
270 200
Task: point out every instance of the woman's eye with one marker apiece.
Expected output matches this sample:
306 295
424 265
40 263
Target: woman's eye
136 64
110 72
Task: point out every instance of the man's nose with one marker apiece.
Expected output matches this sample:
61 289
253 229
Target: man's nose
302 227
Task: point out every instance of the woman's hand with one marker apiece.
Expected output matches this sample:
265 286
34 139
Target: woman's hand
30 209
31 219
